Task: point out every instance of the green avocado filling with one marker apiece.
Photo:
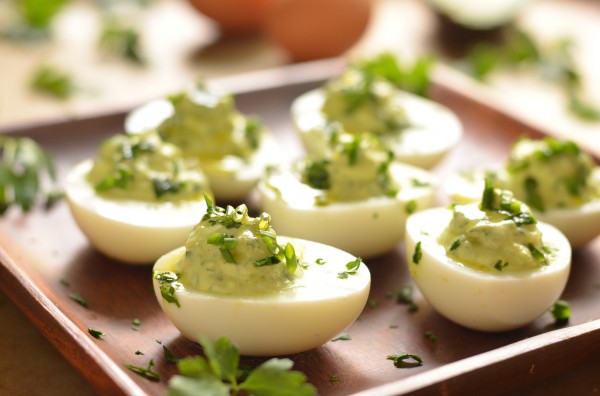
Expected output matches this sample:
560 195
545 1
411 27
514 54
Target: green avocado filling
232 253
207 125
357 168
550 173
497 235
362 102
144 168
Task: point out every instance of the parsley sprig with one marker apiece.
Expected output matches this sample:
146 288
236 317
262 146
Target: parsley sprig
218 373
24 165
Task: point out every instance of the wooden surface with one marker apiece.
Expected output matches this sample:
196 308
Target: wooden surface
184 46
44 248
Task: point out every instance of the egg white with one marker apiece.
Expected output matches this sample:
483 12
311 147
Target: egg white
365 228
314 310
434 129
134 232
579 224
476 299
231 178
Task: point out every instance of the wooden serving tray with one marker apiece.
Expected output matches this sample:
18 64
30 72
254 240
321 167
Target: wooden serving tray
44 258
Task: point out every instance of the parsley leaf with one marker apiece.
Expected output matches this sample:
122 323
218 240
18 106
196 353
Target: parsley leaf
342 337
352 268
418 254
146 372
217 374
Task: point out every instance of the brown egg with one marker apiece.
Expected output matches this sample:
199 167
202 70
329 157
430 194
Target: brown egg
313 29
235 17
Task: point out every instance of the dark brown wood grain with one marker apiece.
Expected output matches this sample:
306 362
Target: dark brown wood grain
45 258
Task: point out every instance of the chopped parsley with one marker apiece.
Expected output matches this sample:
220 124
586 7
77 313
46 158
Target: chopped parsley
373 303
167 290
320 261
342 337
405 360
78 299
500 265
135 324
122 41
430 336
24 168
411 206
51 81
414 78
404 295
97 334
146 372
455 245
316 174
226 244
351 268
169 356
418 254
561 311
219 372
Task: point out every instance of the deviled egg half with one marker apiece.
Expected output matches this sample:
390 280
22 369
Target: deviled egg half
559 182
270 295
356 198
138 199
419 131
487 265
233 148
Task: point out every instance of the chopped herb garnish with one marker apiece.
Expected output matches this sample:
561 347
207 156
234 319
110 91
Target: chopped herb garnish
404 295
373 303
320 261
418 254
145 372
122 41
316 174
532 195
352 150
537 254
78 299
334 378
405 360
97 334
24 166
165 186
411 206
342 337
561 311
430 336
169 356
219 371
455 245
414 78
253 128
135 324
167 291
139 353
352 268
500 265
51 81
225 243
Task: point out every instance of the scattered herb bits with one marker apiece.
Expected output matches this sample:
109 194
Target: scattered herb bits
405 360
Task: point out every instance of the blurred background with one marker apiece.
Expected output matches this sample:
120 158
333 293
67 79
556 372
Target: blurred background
65 59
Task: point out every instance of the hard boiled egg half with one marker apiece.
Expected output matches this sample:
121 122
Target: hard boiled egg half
357 198
138 199
418 131
488 268
233 149
557 179
270 295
